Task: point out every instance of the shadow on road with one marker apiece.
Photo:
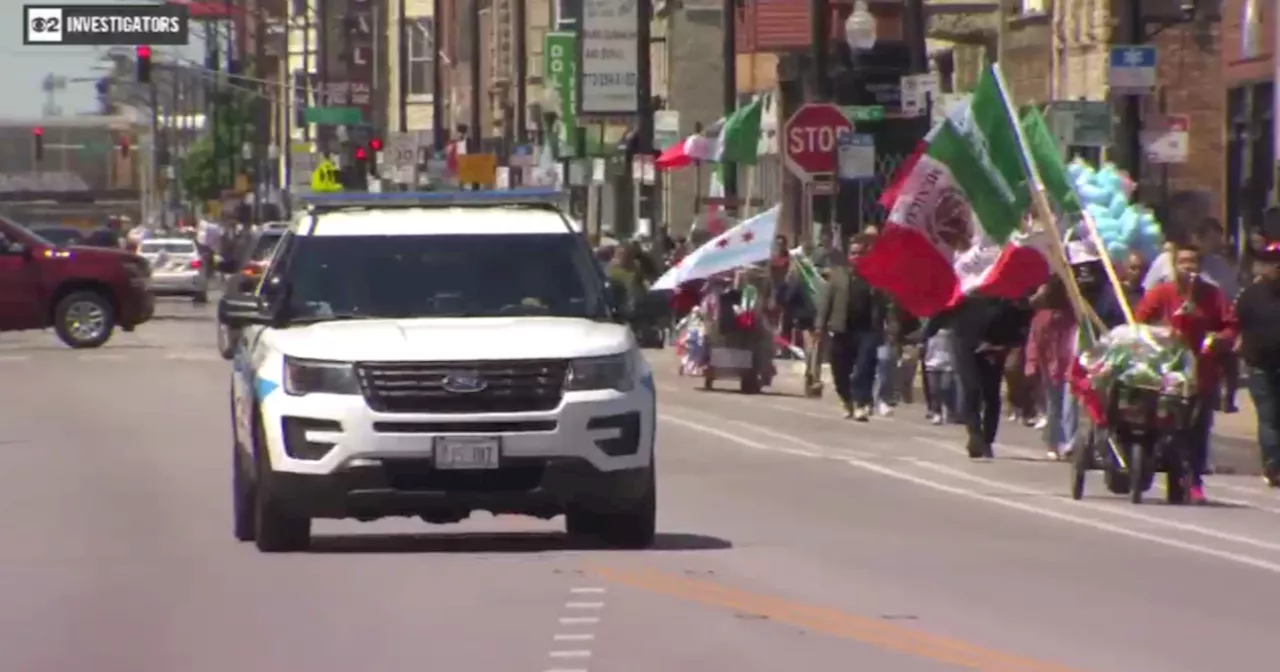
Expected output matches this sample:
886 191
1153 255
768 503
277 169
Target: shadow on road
735 391
182 317
499 542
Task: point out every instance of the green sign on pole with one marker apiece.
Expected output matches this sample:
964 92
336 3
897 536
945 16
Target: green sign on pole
857 113
560 56
333 116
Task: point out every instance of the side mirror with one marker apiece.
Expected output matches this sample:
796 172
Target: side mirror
239 310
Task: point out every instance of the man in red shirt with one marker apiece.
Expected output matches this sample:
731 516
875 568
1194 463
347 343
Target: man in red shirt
1202 316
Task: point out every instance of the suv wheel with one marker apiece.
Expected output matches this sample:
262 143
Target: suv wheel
633 526
276 530
84 319
243 496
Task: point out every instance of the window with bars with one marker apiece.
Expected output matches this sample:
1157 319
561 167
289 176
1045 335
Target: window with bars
421 55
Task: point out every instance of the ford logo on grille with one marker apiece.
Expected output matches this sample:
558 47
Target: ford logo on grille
464 383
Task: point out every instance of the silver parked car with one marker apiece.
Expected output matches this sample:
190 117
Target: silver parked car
176 268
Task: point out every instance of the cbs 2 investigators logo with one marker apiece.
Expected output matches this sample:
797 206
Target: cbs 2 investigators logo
106 25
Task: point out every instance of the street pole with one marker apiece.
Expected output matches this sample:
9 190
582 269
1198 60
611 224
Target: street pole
322 53
306 70
915 28
213 63
644 128
729 174
439 131
522 70
261 130
157 151
402 63
820 35
473 136
1132 113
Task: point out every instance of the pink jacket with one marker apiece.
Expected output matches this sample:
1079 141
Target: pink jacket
1050 346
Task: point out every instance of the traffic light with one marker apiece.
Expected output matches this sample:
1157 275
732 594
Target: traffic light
375 146
144 64
37 139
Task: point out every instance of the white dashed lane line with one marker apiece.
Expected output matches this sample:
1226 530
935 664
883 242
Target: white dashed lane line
572 640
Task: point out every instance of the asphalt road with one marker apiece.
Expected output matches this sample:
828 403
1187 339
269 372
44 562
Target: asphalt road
790 538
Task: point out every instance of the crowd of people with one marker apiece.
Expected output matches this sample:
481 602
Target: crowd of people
985 358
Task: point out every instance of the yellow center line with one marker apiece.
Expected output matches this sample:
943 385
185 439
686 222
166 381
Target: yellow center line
829 621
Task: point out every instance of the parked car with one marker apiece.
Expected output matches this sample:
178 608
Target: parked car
83 293
248 268
61 236
177 268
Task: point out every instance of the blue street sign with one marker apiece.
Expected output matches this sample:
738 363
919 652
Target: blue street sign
1133 70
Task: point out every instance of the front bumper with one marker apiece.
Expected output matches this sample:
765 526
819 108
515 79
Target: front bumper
410 487
582 426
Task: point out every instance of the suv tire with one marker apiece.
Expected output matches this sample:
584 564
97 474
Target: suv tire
631 527
275 530
84 305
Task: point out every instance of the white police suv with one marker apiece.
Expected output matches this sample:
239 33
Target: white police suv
432 355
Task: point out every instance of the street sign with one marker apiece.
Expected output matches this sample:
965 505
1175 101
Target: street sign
1133 70
856 156
810 139
856 113
401 150
1167 139
1080 123
481 169
333 116
325 178
918 91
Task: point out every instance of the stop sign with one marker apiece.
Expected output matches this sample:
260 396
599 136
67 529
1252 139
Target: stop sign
809 139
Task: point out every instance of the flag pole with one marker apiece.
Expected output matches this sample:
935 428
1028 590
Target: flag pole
1044 212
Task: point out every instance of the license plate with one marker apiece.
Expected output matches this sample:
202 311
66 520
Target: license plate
730 358
467 452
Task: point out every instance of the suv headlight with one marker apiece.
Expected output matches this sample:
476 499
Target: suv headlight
311 376
614 372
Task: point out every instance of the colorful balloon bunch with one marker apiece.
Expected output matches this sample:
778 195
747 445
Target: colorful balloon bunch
1124 226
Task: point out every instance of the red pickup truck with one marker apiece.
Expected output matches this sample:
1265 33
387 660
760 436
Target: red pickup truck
84 293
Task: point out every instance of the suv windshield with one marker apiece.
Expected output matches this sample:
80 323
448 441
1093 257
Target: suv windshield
443 276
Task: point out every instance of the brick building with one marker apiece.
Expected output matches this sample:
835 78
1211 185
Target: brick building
1059 51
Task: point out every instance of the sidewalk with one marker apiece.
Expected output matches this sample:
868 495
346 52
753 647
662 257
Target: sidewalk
1241 425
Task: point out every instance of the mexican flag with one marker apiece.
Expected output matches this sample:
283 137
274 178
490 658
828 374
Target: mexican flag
735 138
1048 161
956 210
808 274
1078 377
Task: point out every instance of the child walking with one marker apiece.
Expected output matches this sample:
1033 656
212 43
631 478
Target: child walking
939 372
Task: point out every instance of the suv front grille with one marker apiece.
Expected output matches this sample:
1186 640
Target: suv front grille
419 387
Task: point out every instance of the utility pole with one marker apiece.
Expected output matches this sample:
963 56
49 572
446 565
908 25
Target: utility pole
157 146
1135 31
730 96
438 129
473 135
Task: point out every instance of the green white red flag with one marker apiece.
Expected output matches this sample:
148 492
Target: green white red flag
956 213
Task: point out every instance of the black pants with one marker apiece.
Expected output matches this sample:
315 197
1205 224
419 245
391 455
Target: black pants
979 375
853 365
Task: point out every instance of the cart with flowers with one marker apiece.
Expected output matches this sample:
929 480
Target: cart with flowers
1137 387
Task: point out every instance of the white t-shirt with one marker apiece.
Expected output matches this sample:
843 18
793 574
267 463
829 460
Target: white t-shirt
937 352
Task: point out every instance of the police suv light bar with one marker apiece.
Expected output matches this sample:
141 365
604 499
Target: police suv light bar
435 199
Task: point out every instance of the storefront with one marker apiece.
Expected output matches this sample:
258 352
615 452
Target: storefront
1250 66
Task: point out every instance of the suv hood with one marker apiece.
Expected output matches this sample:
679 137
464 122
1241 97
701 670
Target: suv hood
454 339
102 254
